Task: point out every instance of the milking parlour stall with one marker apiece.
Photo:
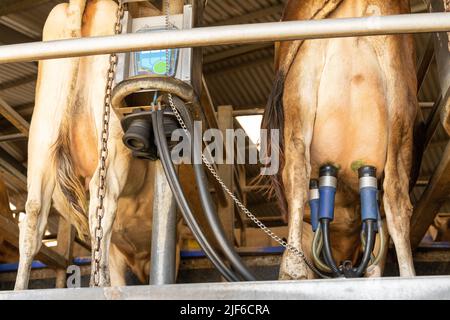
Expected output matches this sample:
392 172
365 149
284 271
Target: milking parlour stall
224 150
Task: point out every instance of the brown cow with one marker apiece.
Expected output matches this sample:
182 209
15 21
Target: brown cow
354 101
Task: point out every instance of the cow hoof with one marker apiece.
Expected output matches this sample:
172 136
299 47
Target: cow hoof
373 272
104 280
293 269
292 276
20 286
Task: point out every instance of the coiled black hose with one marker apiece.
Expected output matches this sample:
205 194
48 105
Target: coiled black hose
182 202
325 223
370 242
206 200
370 235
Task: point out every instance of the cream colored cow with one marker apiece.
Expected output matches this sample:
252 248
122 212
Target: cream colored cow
64 149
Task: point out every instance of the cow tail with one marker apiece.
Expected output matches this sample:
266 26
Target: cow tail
68 183
274 119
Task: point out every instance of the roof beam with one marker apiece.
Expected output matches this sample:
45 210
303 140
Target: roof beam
425 63
232 69
432 199
14 150
438 188
12 137
434 118
212 122
14 117
10 231
17 82
13 6
23 26
268 222
14 167
226 54
10 36
248 112
278 9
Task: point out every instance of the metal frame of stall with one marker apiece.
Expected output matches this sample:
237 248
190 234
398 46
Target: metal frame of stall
419 288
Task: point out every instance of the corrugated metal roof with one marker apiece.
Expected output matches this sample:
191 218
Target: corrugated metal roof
30 22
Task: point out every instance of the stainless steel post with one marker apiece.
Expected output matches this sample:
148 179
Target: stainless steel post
162 264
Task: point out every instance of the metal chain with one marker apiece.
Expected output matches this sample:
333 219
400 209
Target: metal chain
101 191
167 17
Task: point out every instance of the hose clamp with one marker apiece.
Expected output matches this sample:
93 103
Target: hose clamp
368 182
314 194
328 181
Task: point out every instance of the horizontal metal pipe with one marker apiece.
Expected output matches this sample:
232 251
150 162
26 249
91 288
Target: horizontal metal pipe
417 288
232 34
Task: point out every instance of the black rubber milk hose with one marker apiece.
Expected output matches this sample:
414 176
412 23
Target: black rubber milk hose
183 204
207 202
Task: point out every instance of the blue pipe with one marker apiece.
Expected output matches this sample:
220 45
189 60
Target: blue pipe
378 225
327 192
369 204
326 203
368 193
314 203
9 267
186 254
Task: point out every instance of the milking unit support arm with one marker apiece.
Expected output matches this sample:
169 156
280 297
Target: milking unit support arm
143 129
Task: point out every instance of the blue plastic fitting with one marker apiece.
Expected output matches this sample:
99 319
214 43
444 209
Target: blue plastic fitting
368 193
327 192
379 220
314 203
326 206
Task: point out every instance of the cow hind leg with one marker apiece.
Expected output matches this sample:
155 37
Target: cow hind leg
53 96
115 180
33 226
396 200
300 103
296 176
99 19
292 267
118 267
